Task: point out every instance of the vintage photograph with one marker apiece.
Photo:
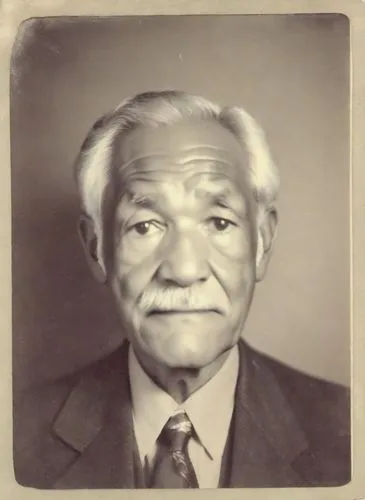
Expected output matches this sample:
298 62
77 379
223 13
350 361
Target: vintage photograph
181 252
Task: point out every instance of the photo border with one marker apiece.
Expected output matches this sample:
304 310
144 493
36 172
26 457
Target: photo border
12 14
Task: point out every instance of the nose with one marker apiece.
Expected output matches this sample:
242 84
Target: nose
185 262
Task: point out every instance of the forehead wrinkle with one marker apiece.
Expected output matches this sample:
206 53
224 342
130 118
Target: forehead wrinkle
213 178
164 163
139 161
181 155
199 150
171 173
219 192
208 160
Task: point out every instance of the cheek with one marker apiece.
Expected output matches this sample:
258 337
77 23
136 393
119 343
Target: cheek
238 280
237 244
234 260
131 278
133 251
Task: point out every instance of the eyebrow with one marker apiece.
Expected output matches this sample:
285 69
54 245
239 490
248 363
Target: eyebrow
219 199
226 198
148 201
143 200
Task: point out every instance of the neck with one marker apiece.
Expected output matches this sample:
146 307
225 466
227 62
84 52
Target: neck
180 383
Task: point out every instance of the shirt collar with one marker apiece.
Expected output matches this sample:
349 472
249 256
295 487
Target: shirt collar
209 408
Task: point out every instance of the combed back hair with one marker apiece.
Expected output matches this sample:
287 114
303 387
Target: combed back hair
93 164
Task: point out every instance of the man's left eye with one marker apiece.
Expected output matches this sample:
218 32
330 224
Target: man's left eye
221 224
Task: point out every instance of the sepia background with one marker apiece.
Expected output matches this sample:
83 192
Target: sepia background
291 72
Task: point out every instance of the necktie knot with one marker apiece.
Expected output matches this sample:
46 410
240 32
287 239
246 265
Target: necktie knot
177 432
173 467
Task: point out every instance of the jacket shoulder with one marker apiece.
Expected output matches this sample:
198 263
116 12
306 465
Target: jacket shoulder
34 412
38 453
323 411
323 408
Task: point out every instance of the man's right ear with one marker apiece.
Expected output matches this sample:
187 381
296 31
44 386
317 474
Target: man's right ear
90 243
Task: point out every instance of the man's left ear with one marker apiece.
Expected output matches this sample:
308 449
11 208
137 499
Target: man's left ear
266 233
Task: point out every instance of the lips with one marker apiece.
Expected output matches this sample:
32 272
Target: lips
155 312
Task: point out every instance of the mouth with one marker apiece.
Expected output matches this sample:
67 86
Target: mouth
156 312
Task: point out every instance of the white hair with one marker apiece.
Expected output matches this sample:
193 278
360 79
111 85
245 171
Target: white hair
94 162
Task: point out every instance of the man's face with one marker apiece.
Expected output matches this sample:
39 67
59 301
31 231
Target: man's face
181 242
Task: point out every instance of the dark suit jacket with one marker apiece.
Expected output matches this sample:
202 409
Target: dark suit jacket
288 429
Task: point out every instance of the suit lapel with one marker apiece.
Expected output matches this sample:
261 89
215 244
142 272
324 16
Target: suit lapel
266 435
96 421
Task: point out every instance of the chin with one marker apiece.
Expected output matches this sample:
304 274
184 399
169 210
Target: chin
187 353
185 361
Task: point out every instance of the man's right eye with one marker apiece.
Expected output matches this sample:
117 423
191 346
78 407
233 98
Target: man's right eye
145 227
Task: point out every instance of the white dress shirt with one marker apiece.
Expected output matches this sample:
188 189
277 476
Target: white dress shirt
209 409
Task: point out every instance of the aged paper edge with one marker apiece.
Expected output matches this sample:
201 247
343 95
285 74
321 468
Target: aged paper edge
12 13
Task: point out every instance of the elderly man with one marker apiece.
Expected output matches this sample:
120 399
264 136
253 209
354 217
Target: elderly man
178 220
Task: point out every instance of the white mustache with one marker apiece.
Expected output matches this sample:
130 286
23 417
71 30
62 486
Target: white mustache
181 299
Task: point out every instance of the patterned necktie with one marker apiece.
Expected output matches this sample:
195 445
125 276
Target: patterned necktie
173 468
